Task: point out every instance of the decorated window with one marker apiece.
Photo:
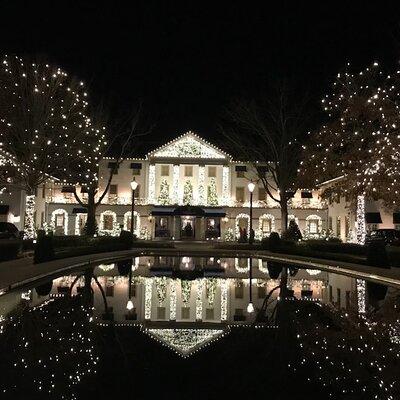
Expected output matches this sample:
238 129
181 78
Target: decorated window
313 226
266 225
108 221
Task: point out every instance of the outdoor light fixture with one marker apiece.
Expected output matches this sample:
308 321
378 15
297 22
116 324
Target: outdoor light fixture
250 308
129 305
134 184
251 186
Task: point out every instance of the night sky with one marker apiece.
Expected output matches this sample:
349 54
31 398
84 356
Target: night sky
186 63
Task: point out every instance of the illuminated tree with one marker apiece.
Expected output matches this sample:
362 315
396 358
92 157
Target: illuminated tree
266 135
44 124
188 193
163 198
212 196
359 144
90 182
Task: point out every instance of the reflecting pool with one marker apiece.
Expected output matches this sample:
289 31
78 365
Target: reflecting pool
190 327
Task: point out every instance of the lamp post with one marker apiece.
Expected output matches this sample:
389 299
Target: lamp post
251 187
134 186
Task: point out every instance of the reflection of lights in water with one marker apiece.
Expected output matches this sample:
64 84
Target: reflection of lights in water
361 295
129 305
106 267
185 341
263 268
250 308
26 295
313 271
186 261
239 268
224 299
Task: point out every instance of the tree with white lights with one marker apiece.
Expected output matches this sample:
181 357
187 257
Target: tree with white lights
90 182
163 198
188 193
359 144
266 134
212 196
44 124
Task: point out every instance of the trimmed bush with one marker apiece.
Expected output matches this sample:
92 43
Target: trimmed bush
274 242
44 250
293 232
376 254
126 238
329 246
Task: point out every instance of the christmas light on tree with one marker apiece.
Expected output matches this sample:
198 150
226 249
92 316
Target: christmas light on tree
45 127
163 198
212 197
360 143
188 193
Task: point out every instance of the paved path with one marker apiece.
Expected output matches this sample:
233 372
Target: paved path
17 272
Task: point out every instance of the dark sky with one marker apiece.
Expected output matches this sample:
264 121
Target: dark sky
185 63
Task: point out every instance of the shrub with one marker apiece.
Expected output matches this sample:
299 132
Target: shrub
44 249
293 232
126 238
274 242
9 249
376 254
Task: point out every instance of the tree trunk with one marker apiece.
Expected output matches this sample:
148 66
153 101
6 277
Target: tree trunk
284 216
91 224
29 223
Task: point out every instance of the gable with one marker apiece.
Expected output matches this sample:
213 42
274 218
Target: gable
189 146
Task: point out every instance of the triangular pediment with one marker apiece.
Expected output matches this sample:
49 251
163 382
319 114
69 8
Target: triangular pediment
189 145
185 341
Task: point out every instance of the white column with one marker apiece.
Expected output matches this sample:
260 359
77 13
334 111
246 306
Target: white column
152 184
225 186
175 185
202 197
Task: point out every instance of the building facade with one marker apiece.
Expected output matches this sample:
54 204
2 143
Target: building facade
187 189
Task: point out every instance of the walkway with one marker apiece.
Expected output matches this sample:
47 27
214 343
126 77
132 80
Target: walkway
22 271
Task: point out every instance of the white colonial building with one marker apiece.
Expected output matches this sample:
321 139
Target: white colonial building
187 189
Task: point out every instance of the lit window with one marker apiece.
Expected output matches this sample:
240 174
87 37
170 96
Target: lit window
212 172
136 171
164 170
313 226
108 221
266 225
240 194
188 170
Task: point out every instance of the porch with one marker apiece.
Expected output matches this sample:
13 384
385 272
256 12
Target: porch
187 222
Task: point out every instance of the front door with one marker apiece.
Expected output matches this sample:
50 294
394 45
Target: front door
187 227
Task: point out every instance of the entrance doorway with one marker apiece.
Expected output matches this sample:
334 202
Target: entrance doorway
188 227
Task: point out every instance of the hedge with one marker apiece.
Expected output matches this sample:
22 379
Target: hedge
10 249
